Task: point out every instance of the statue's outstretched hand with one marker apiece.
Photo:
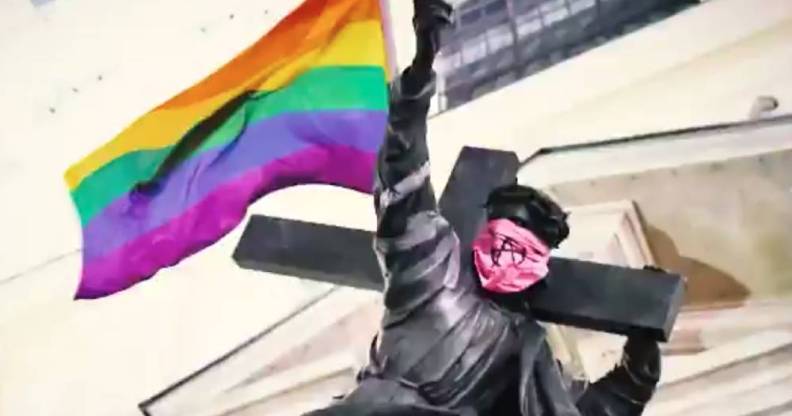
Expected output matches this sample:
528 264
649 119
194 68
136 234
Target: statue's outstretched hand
430 17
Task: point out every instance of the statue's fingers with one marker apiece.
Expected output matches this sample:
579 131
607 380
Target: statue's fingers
432 13
442 12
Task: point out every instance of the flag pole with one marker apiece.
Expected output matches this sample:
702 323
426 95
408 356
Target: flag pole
390 44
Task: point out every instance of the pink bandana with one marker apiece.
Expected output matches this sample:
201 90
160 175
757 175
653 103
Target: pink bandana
509 258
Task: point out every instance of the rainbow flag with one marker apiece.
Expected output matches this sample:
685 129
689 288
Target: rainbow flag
307 103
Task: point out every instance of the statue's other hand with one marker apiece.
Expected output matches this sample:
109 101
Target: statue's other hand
641 358
627 388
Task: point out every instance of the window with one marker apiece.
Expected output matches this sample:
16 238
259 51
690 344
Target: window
495 7
554 11
504 61
499 37
578 6
528 24
470 17
474 49
551 5
449 62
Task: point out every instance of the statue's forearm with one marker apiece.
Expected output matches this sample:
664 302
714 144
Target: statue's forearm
426 48
431 16
410 95
403 188
405 149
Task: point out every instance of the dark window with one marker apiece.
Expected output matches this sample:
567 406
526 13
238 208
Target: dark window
528 23
474 49
495 7
554 11
449 61
581 5
499 37
470 17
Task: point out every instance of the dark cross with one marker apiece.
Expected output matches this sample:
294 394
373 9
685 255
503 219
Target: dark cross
577 293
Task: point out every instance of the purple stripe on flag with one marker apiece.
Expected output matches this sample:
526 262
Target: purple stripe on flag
218 213
135 214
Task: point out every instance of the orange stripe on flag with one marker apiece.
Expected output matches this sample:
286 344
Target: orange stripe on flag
310 26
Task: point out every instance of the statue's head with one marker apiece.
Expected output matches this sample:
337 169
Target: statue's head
531 209
523 224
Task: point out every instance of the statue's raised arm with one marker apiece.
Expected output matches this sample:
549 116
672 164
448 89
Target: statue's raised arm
404 200
404 155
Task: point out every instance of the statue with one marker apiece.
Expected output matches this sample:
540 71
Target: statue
456 340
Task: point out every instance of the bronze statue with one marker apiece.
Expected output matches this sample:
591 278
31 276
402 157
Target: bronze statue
455 340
